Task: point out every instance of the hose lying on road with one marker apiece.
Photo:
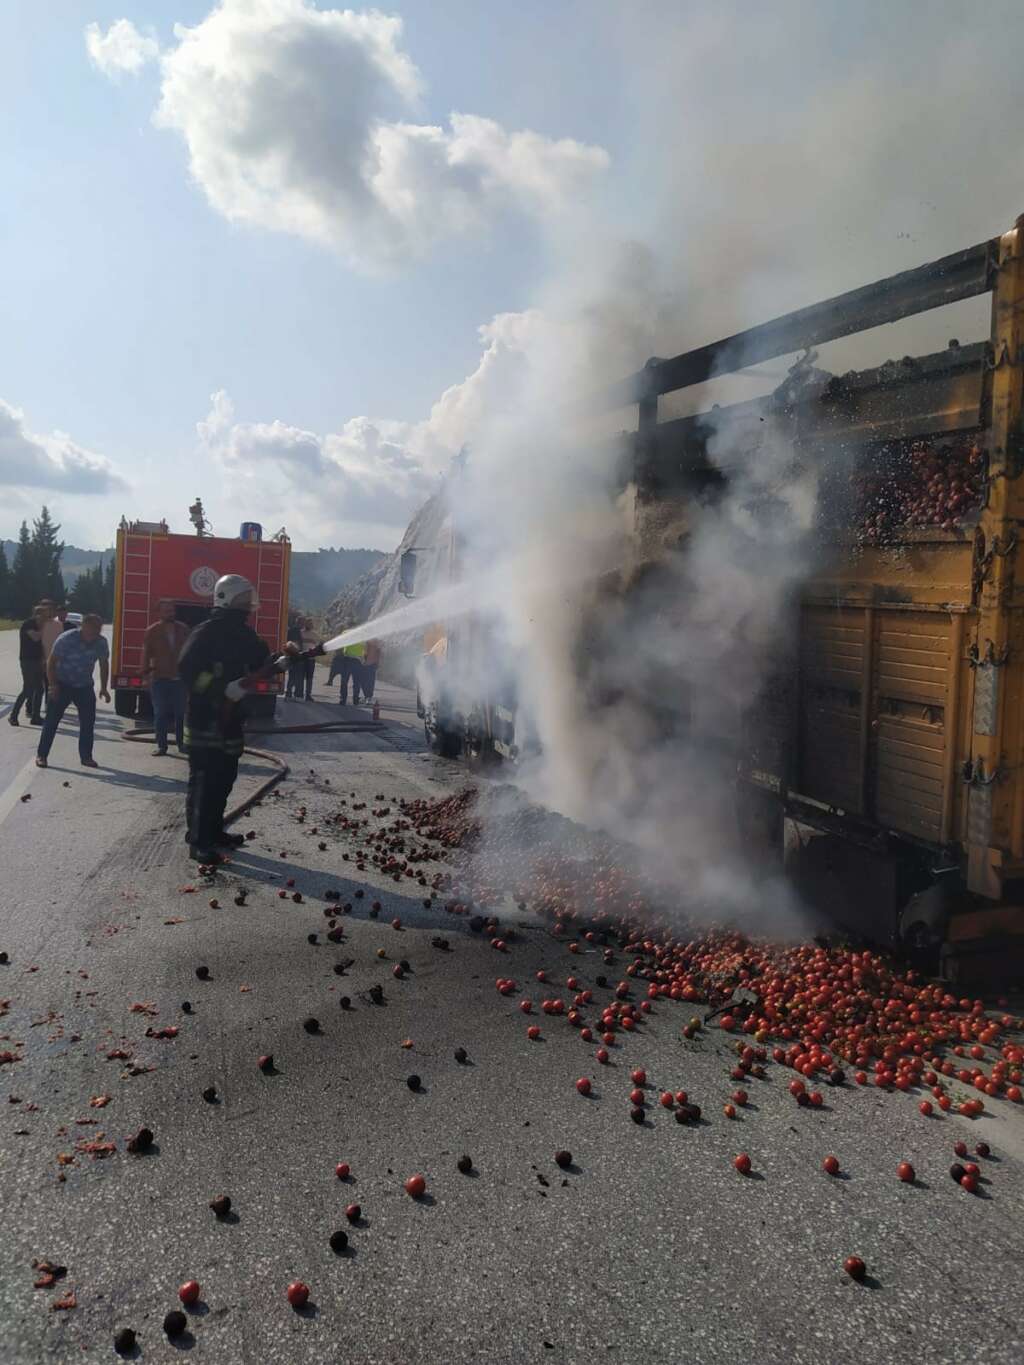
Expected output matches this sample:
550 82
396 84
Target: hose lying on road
143 733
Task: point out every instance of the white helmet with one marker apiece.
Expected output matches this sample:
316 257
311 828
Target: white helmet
234 591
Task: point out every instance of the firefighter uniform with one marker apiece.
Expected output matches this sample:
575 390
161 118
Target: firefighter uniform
219 652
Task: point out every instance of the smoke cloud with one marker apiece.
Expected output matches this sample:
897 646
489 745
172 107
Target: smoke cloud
805 161
373 470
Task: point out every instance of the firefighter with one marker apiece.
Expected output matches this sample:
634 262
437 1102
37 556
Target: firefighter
221 657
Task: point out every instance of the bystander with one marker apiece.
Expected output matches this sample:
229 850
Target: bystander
33 669
69 671
161 649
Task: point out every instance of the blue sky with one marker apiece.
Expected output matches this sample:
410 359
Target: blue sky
128 302
129 298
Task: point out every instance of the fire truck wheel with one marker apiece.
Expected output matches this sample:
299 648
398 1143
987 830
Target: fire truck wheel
261 707
125 702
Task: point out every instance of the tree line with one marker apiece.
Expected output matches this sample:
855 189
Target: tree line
35 573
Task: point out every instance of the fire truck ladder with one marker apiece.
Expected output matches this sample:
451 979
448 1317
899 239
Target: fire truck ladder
138 576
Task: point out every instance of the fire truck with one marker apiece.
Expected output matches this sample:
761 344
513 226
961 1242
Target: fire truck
152 562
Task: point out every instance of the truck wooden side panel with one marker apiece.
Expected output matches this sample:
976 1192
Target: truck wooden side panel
905 703
910 691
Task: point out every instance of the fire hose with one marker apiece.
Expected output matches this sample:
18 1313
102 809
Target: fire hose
146 732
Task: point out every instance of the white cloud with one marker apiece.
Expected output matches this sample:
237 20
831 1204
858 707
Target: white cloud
121 48
377 471
54 461
361 473
292 119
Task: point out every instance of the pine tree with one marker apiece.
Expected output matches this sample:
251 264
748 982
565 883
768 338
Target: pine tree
107 608
87 593
5 584
47 551
24 593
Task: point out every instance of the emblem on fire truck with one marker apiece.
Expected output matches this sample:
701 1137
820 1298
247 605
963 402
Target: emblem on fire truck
203 581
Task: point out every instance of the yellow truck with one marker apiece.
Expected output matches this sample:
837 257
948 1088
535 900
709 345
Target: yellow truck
888 743
896 730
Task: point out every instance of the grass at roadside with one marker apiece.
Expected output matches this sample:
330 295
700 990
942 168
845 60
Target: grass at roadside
8 625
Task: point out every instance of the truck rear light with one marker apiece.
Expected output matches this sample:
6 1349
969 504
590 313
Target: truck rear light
134 682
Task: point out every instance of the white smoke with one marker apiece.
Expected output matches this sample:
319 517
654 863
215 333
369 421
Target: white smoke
796 168
374 470
631 685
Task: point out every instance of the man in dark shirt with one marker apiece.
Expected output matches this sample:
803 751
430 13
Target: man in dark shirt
296 669
33 669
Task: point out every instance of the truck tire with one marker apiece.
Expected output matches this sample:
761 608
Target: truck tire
441 741
262 707
125 702
449 744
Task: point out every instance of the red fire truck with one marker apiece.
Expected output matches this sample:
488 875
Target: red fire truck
152 562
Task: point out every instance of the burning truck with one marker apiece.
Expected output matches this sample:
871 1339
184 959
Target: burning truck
888 733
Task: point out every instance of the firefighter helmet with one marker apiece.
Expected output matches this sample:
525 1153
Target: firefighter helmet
234 591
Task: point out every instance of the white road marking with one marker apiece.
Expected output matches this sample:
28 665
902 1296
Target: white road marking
16 790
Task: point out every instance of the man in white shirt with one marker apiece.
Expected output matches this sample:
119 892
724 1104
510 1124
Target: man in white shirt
51 628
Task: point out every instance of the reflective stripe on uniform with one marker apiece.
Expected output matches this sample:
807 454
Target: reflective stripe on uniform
213 739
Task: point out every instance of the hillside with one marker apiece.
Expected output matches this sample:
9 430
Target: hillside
317 575
376 592
73 562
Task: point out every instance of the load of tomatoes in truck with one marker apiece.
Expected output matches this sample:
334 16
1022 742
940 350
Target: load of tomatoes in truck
920 487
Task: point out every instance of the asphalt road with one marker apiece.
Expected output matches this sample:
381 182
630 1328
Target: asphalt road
650 1246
